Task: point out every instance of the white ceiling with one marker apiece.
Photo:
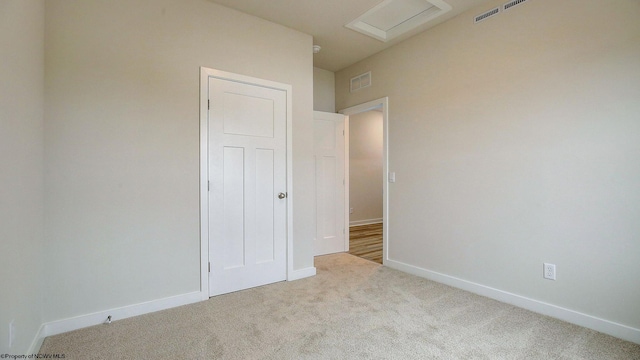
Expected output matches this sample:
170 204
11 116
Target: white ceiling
325 20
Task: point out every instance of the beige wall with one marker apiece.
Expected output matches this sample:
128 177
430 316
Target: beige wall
122 142
365 167
21 176
515 142
324 95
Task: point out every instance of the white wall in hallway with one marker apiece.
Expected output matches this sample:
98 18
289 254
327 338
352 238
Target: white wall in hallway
365 166
324 93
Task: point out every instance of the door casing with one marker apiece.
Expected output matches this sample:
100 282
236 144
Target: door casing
364 107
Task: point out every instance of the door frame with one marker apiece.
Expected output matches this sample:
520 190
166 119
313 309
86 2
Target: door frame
357 109
205 74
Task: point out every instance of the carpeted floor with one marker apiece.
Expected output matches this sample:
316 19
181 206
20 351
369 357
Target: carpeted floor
353 309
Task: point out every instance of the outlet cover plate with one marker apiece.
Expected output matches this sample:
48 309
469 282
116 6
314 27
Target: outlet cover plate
549 271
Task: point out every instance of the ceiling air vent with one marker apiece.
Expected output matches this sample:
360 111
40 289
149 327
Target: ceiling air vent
511 4
360 81
486 15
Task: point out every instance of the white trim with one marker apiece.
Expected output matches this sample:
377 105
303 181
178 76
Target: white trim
365 222
605 326
361 23
205 74
301 274
204 183
36 344
289 90
588 321
96 318
370 105
347 214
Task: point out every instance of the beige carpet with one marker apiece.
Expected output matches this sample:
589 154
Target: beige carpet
353 309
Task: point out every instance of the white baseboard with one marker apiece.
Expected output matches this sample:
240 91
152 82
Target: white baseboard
364 222
96 318
301 274
605 326
36 344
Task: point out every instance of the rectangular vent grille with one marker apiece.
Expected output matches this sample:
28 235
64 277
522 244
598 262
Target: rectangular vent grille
487 15
360 81
513 3
496 11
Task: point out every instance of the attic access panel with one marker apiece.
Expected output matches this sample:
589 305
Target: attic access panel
392 18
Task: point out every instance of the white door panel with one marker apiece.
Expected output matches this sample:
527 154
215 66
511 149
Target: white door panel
265 202
247 171
330 190
233 207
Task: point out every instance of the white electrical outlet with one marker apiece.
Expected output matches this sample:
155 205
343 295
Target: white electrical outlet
12 333
549 271
350 210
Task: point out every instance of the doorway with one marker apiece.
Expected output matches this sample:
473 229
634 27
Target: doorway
366 179
365 186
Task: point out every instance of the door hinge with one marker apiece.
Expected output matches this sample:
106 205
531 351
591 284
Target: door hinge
208 185
209 267
208 104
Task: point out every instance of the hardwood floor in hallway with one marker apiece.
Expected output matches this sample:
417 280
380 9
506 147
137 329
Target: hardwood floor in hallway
365 241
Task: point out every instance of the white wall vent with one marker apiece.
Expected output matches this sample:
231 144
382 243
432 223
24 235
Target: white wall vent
360 81
487 14
511 4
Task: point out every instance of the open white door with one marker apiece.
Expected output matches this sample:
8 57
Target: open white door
329 151
247 172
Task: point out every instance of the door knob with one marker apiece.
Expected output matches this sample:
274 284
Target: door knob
282 195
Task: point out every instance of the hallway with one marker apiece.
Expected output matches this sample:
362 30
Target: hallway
365 241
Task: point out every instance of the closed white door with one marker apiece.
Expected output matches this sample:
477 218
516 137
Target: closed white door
247 174
329 149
